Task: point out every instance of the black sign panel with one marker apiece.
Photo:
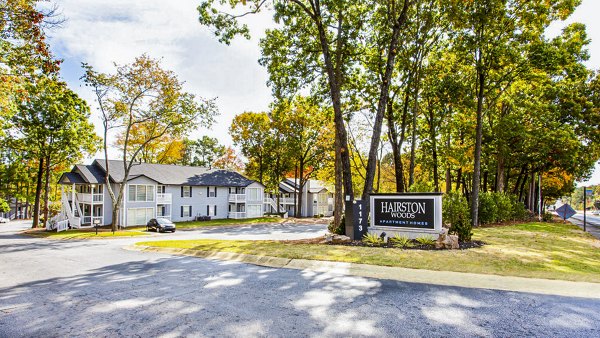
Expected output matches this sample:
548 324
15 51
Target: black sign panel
360 219
404 212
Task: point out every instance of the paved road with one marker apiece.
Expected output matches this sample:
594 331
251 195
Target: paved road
54 288
592 223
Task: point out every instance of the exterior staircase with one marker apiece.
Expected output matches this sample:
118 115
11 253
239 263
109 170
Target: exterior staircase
271 202
67 217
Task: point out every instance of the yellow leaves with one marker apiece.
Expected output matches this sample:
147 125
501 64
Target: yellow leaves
165 150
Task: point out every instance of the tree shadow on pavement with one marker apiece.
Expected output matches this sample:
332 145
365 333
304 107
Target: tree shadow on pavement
184 296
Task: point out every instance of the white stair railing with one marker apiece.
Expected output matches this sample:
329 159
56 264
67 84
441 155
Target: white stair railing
273 204
75 222
62 225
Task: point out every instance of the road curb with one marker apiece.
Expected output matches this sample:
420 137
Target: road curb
444 278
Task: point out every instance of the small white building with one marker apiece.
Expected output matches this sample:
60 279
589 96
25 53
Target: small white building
316 199
179 193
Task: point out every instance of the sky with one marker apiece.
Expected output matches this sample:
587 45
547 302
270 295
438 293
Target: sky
102 33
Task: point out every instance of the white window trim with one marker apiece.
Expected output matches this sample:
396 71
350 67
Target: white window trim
186 208
188 189
145 185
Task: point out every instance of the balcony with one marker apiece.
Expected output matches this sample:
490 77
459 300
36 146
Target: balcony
237 198
164 198
88 198
237 215
89 220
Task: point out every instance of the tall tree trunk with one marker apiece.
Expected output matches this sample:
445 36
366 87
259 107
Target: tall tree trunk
485 181
403 137
26 210
300 184
382 103
448 171
343 173
38 193
478 139
296 195
519 178
413 142
458 179
522 187
47 191
532 193
393 135
501 171
434 156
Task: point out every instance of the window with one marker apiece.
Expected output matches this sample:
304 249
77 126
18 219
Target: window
186 211
141 193
211 210
139 216
254 211
253 194
211 191
161 189
322 198
186 191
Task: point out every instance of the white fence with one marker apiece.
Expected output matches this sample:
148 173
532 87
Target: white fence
62 225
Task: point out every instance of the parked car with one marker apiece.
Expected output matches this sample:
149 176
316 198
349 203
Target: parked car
4 220
160 225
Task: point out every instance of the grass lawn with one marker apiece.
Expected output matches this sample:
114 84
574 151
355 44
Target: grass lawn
227 221
84 233
538 250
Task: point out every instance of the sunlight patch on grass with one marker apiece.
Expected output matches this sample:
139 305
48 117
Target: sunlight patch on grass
537 250
228 221
85 233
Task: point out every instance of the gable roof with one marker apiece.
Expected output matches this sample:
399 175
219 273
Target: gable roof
71 178
175 174
91 173
291 185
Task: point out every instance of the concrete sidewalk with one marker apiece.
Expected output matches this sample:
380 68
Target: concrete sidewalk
447 278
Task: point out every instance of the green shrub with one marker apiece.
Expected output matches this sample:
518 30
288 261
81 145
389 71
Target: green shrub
400 241
518 211
488 210
372 239
456 214
341 230
504 206
496 207
547 217
425 240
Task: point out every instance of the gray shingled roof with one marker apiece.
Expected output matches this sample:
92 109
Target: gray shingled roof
176 174
71 178
291 185
91 173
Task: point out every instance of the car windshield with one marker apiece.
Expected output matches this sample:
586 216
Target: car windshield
163 221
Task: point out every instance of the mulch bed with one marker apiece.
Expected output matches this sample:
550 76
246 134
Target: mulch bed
415 244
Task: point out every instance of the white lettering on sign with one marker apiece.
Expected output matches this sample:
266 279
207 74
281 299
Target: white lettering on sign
412 207
403 209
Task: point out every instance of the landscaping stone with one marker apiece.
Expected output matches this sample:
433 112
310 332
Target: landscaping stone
446 241
337 239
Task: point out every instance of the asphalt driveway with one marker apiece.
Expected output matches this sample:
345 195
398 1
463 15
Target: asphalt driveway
52 288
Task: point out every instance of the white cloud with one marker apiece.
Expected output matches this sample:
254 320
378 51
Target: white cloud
100 33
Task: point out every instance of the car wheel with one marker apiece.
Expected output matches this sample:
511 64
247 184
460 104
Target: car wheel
158 230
